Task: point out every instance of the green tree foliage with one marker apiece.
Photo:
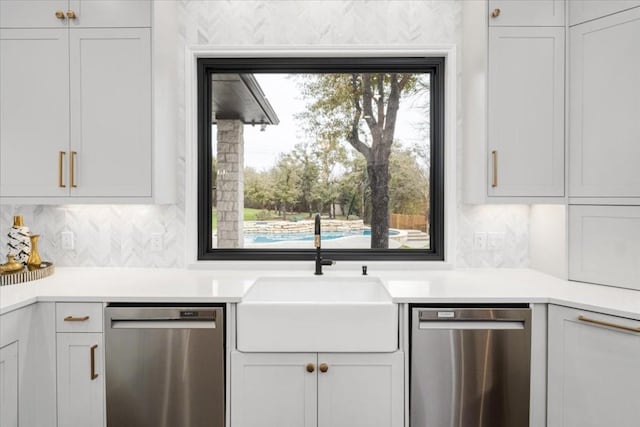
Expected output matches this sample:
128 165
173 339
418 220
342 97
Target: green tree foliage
408 184
258 189
309 176
361 109
286 183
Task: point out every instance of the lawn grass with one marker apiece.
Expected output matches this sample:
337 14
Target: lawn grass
250 214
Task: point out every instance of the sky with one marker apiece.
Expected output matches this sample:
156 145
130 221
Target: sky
262 149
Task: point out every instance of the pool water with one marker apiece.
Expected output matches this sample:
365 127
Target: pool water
326 235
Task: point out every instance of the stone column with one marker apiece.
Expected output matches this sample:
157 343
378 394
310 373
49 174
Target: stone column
230 184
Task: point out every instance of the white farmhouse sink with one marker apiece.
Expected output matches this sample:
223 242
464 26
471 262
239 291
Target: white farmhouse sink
317 314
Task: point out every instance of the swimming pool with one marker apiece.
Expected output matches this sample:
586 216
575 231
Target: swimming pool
326 235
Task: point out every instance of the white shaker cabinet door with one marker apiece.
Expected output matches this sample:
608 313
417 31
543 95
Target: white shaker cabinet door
274 389
33 13
544 13
594 375
586 10
526 112
34 112
110 13
9 385
604 245
360 390
80 370
110 112
604 97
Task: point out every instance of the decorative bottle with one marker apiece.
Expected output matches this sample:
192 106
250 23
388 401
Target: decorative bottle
19 242
34 260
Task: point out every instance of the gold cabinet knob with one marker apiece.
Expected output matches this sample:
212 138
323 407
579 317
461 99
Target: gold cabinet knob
71 14
59 14
311 367
324 367
495 13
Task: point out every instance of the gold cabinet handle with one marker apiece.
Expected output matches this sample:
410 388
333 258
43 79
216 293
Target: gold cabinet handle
324 367
495 13
59 14
494 161
61 155
71 14
72 169
608 324
311 367
76 319
93 362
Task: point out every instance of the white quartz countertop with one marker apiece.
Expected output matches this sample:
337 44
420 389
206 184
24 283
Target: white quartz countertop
405 286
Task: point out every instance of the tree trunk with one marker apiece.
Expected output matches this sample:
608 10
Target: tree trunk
379 184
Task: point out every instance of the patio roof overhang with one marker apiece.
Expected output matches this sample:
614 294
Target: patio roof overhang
240 97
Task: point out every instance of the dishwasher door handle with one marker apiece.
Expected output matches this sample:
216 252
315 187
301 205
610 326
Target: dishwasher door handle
162 324
471 325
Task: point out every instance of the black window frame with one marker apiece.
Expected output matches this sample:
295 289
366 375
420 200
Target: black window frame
433 65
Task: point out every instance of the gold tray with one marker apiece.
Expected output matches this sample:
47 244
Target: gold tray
27 274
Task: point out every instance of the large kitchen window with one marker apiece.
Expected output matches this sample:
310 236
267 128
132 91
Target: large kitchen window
358 140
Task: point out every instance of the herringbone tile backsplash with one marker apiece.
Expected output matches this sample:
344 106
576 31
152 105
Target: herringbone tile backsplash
118 235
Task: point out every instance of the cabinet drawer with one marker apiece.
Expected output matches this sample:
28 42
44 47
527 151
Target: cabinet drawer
78 317
604 245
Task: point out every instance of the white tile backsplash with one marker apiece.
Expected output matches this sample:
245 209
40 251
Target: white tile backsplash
118 235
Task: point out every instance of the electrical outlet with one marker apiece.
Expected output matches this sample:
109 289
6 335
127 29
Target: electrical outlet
495 240
67 240
156 243
480 240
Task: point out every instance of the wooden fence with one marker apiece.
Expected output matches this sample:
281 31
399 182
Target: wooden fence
408 222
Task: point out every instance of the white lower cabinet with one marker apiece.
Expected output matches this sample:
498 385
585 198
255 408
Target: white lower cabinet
80 380
594 375
317 389
9 385
361 390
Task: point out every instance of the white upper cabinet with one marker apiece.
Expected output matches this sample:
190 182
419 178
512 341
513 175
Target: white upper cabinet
526 112
110 13
34 112
74 13
604 245
76 110
604 96
586 10
110 112
594 375
541 13
33 13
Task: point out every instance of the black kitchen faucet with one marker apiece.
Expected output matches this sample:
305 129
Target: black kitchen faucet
319 261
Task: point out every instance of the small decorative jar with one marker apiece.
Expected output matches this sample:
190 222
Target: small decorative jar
19 242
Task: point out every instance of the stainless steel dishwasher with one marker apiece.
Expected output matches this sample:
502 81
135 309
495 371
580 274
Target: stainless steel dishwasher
164 366
470 367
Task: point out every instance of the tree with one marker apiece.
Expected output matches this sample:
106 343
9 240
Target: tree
309 174
286 183
258 189
339 104
408 183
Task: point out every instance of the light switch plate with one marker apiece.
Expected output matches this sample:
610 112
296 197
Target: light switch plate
156 243
67 240
480 240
